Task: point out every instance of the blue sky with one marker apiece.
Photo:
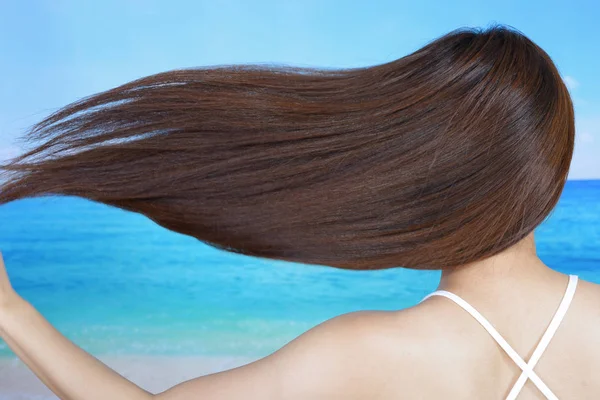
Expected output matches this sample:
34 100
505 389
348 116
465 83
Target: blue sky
55 52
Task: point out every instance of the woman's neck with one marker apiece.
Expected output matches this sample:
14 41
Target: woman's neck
515 268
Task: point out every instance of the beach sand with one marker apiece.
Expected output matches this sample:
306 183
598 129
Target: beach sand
153 373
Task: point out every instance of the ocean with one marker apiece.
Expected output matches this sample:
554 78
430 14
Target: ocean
116 283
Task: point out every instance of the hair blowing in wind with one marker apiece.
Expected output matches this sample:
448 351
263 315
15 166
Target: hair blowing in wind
440 158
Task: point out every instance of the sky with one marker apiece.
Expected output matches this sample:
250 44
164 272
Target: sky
55 52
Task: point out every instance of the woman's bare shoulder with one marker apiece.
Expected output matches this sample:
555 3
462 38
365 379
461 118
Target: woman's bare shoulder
358 355
351 356
586 306
584 312
590 290
374 353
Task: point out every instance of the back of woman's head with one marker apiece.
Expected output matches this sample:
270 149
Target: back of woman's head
443 157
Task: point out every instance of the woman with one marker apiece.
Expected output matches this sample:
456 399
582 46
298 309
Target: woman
447 158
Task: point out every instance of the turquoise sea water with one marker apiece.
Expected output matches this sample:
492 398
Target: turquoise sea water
116 283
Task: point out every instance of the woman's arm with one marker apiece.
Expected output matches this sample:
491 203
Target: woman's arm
65 368
319 364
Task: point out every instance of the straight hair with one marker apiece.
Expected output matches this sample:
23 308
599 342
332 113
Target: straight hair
441 158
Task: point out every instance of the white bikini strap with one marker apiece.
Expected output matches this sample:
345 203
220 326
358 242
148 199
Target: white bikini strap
526 368
548 335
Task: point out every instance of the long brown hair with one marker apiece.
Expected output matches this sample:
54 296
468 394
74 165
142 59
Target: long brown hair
440 158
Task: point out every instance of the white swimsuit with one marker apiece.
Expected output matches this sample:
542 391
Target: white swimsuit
527 368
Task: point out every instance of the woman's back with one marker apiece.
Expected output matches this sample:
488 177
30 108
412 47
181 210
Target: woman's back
438 350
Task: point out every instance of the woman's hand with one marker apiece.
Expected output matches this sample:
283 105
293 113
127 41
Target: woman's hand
7 293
